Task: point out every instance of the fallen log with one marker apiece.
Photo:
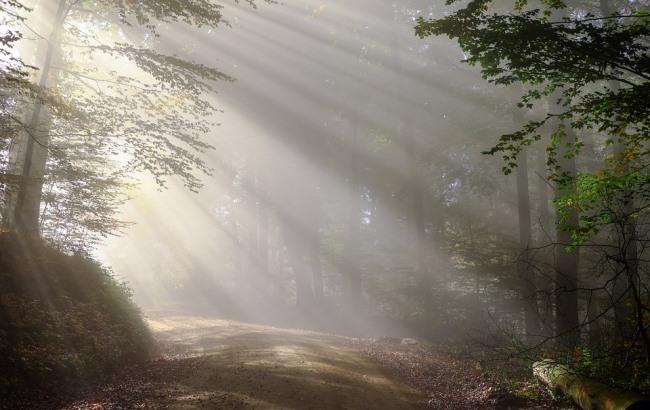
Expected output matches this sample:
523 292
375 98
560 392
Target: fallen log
585 392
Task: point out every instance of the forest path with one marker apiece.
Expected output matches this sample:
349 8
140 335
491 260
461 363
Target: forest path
217 364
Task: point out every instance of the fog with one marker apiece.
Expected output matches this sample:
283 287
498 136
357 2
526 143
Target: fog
347 192
324 204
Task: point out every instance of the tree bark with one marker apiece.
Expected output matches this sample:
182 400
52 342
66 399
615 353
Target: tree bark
526 275
422 275
566 261
317 271
297 248
545 222
24 206
263 228
304 294
586 393
545 235
314 219
566 266
628 273
352 246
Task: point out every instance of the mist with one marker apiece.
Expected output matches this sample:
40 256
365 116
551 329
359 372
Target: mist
408 185
340 155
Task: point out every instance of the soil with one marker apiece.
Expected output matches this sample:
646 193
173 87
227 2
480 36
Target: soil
218 364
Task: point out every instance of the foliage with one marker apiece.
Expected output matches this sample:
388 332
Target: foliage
62 317
589 73
599 362
12 67
116 106
594 70
605 199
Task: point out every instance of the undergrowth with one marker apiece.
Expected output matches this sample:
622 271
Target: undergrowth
63 319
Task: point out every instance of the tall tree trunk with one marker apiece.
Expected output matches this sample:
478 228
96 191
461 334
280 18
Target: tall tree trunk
422 278
567 331
263 231
566 261
304 294
313 220
525 273
545 235
317 270
298 253
275 255
295 233
24 206
545 223
238 252
627 274
352 246
439 266
626 279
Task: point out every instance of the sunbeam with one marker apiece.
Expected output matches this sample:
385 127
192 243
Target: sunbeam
324 204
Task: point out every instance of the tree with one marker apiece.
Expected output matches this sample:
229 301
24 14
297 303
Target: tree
527 277
137 108
594 72
571 61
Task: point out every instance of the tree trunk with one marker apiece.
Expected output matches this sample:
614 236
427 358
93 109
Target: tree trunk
238 251
263 229
628 271
24 205
629 309
275 255
317 271
314 217
297 248
566 266
352 246
566 261
525 273
304 294
422 276
585 392
545 236
545 223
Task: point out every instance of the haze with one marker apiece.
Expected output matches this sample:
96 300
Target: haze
329 185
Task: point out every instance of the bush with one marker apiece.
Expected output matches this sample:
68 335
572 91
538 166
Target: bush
62 318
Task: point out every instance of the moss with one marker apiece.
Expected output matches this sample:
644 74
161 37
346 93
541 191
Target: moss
586 392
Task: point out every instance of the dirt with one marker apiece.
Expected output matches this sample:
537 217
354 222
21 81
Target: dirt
217 364
454 382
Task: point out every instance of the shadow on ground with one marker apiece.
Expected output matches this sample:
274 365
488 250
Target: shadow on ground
217 364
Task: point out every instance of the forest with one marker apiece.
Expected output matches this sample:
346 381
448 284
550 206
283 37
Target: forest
324 204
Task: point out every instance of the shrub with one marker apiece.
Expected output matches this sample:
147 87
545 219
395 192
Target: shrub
62 318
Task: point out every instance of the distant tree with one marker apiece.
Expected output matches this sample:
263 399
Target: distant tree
592 71
574 60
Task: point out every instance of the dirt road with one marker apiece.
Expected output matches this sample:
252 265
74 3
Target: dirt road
214 364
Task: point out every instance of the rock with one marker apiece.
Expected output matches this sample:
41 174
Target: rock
409 341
